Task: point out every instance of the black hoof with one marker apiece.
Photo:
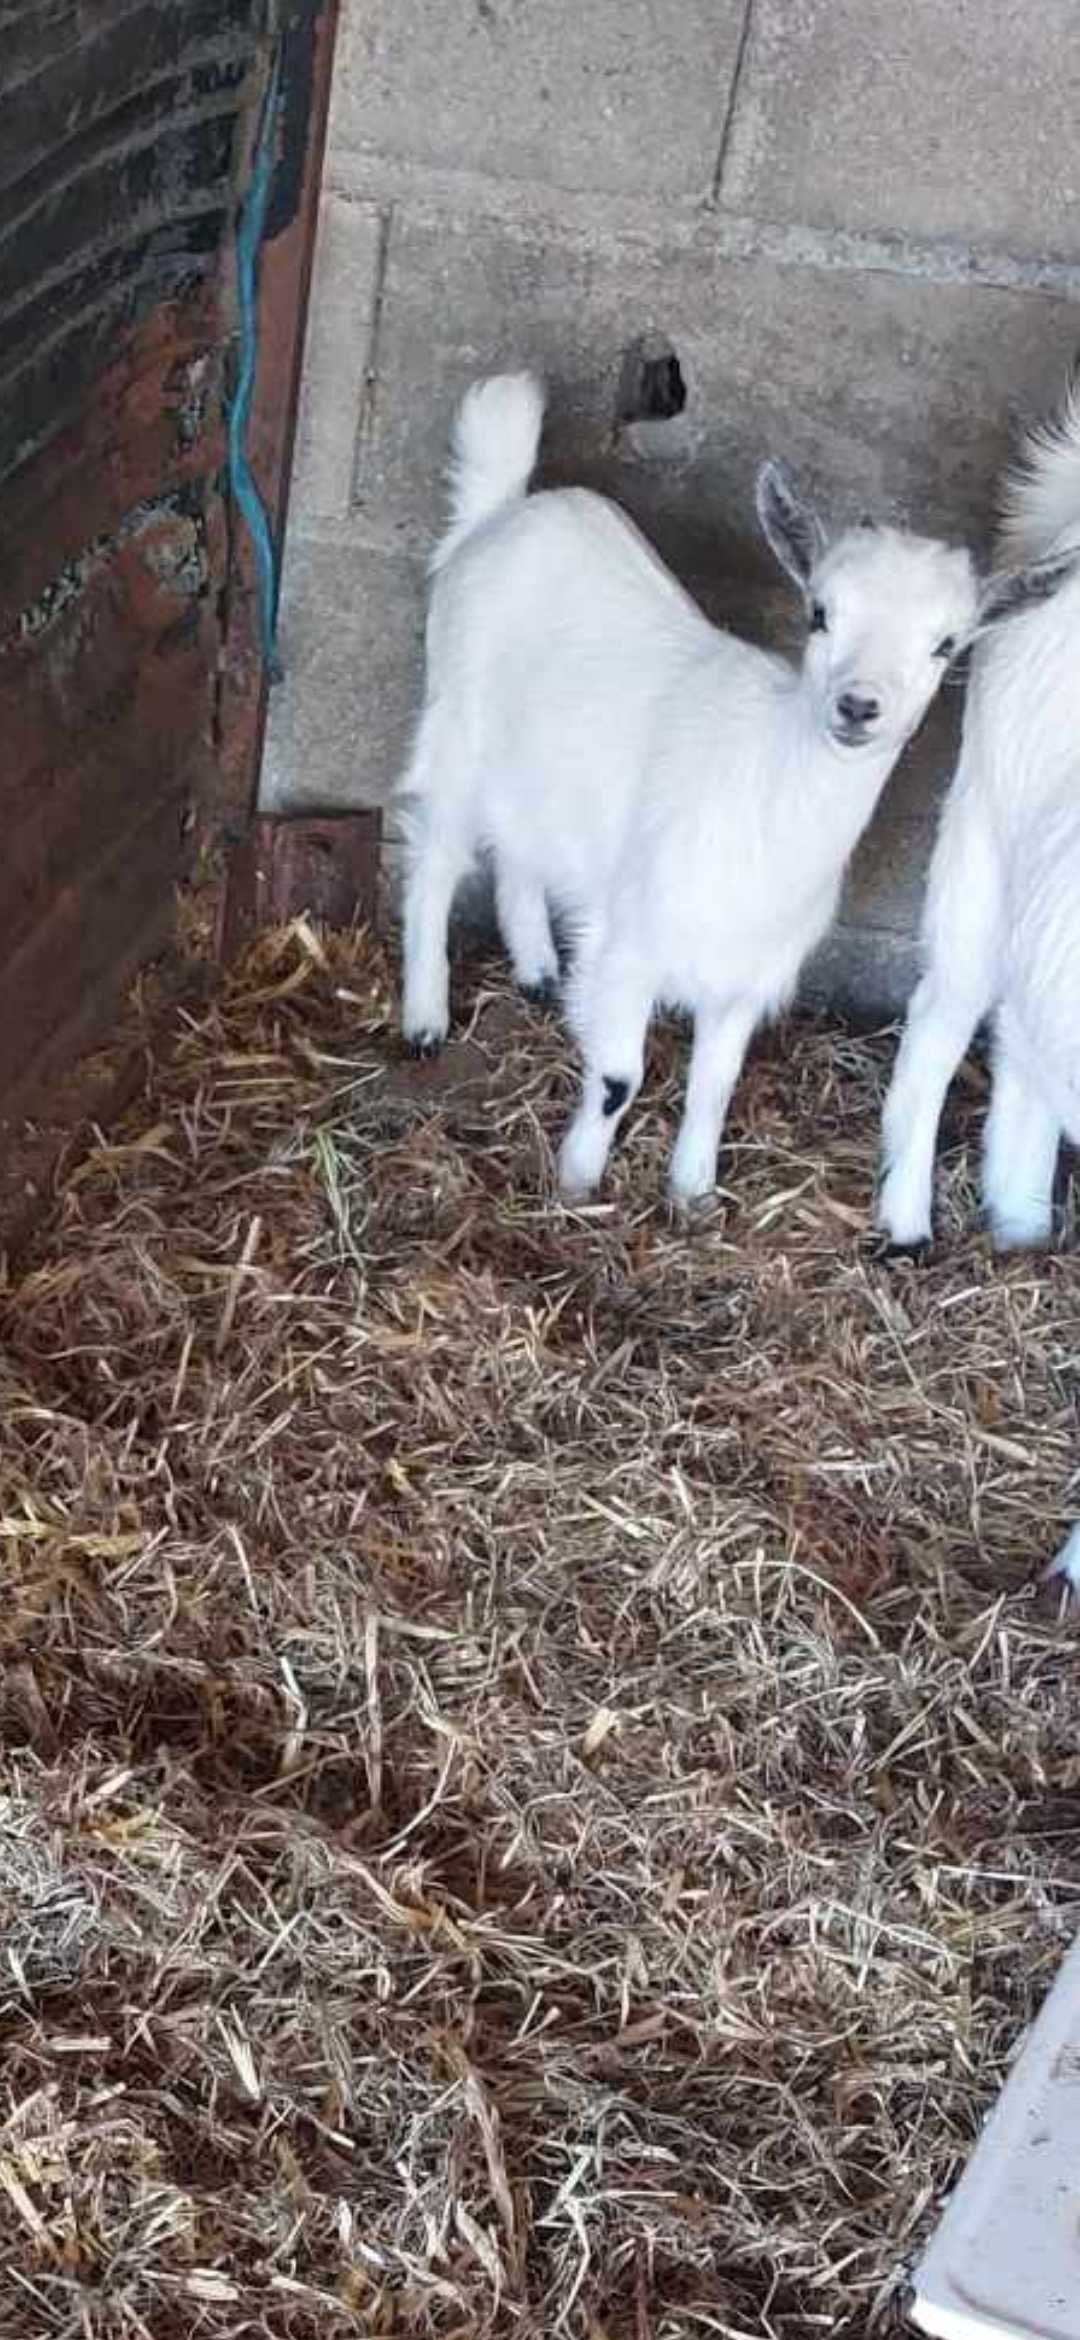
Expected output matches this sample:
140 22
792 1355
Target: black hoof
541 995
890 1254
422 1046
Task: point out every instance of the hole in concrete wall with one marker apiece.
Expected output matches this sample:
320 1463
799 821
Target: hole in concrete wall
651 385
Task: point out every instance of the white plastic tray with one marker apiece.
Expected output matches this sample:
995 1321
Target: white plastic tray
1005 2261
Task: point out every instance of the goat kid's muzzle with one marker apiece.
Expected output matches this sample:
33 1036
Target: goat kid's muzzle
856 715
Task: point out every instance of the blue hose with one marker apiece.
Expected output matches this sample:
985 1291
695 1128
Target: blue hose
249 232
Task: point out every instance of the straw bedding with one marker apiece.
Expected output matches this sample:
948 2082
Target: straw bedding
538 1793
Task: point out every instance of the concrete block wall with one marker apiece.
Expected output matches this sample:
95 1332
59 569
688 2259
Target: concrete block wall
857 227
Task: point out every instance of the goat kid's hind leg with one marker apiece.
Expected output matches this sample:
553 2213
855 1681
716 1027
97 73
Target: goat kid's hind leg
522 911
612 1018
939 1027
437 865
1020 1151
721 1039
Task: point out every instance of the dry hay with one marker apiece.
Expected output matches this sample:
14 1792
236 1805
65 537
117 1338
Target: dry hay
538 1795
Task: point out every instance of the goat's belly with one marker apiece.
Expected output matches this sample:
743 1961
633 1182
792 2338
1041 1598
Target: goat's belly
567 837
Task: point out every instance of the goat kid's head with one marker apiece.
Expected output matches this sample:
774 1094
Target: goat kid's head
888 612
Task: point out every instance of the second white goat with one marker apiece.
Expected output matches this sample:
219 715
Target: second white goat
1001 927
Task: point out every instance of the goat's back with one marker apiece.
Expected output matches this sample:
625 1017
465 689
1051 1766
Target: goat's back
559 569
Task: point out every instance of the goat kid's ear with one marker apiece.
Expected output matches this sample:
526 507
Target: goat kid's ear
794 532
1014 590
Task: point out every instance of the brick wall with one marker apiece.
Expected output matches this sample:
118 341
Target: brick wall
124 137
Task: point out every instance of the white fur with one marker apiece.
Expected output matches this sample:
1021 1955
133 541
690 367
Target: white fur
1040 498
687 801
1001 927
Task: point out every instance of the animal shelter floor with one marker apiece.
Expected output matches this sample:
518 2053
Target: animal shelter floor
538 1790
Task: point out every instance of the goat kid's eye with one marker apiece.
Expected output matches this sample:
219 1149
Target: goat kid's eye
818 620
945 648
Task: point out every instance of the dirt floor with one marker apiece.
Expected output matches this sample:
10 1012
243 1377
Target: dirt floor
539 1791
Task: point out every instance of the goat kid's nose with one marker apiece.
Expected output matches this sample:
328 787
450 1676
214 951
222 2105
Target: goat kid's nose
858 707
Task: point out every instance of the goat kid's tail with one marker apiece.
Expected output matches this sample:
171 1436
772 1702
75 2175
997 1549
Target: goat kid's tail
493 449
1040 498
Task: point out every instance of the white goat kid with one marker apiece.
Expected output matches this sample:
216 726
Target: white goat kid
753 783
689 801
686 802
1001 926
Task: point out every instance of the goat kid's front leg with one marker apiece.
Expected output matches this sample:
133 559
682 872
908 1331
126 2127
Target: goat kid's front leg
1019 1153
436 869
721 1038
939 1027
612 1008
